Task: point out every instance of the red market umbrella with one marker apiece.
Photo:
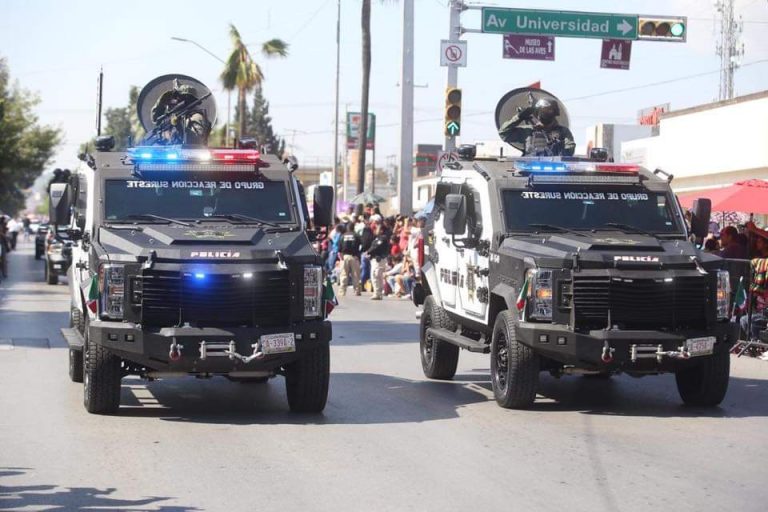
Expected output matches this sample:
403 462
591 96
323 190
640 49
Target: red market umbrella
750 196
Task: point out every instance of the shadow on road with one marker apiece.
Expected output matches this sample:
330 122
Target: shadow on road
367 332
355 398
53 497
652 396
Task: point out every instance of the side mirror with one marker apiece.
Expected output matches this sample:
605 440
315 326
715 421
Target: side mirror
59 209
455 216
323 206
700 213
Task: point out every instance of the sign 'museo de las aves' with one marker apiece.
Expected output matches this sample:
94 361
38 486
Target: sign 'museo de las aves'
560 23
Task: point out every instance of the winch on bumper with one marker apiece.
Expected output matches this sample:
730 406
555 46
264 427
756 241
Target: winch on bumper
210 349
613 349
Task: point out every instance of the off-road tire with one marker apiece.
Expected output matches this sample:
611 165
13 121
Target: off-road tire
306 381
102 376
439 359
705 382
514 366
76 356
50 277
75 365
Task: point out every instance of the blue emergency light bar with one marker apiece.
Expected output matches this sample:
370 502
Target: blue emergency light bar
545 166
172 154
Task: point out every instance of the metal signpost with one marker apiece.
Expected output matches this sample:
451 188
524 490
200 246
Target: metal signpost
539 23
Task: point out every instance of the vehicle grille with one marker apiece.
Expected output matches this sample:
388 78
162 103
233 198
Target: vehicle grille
641 303
171 298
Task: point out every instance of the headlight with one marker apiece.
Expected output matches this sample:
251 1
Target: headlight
112 288
313 289
540 294
723 293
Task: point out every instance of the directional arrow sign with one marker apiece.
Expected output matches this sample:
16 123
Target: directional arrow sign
560 23
452 127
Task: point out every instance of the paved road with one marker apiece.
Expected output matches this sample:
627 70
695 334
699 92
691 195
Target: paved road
389 439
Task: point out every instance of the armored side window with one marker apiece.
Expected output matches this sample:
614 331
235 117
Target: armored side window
474 215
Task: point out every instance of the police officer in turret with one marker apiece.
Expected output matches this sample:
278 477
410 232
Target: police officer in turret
194 123
541 133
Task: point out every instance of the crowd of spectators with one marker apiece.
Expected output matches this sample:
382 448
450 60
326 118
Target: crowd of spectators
745 242
373 253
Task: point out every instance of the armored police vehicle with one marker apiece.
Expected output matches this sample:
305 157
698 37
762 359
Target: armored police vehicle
190 260
572 266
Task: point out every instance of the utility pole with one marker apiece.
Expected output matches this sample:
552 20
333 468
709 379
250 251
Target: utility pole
405 176
335 181
454 31
729 47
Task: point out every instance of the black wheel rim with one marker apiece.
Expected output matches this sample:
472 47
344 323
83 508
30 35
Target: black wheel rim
502 362
427 347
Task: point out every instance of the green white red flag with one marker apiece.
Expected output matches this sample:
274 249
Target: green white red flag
523 295
329 297
90 290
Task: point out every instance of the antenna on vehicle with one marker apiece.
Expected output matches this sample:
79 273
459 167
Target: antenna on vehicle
99 101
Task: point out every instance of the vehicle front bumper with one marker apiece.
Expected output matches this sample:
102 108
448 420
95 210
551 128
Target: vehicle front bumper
587 350
151 348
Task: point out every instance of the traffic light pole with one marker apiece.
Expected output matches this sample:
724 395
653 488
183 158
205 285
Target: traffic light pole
405 178
454 31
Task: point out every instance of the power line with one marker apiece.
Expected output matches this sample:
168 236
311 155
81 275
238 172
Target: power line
575 98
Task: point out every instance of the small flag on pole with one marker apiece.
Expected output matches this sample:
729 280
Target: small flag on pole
523 294
90 290
740 297
329 297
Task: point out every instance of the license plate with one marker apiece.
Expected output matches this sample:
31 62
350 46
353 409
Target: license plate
700 346
278 343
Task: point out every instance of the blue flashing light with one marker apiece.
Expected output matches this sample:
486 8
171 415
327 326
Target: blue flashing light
541 165
171 156
199 275
146 156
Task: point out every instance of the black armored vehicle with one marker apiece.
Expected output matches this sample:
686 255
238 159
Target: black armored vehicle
191 260
573 266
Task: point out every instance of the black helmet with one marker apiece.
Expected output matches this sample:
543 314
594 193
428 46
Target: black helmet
546 110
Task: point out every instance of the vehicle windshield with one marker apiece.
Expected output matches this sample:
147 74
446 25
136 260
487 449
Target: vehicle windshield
589 207
197 199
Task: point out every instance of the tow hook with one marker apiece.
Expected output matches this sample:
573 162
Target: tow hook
175 353
607 356
224 349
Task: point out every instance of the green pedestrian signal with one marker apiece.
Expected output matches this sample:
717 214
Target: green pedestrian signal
452 111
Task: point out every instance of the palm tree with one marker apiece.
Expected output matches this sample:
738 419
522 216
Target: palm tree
363 132
242 73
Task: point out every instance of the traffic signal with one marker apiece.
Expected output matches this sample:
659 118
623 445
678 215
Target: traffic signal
452 123
663 28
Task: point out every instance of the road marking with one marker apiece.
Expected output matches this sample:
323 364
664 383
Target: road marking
6 344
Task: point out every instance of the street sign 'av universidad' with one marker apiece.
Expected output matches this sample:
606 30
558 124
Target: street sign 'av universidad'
353 130
559 23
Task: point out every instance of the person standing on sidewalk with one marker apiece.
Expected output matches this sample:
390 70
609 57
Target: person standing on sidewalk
349 248
378 253
14 227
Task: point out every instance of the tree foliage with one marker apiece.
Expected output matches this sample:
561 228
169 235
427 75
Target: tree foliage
259 125
25 145
241 72
123 123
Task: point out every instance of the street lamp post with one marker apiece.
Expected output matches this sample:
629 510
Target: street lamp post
229 93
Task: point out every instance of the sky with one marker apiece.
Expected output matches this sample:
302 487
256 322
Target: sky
56 48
